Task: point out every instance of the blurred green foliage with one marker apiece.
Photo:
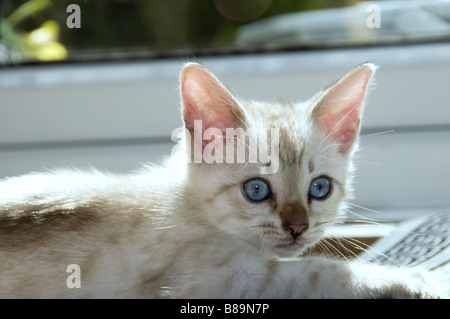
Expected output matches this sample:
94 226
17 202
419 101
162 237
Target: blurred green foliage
152 25
39 44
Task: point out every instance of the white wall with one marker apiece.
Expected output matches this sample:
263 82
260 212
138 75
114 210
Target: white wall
116 116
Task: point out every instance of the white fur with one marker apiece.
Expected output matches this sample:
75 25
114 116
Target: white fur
188 230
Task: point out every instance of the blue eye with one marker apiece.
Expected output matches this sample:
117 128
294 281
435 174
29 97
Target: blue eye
257 190
320 188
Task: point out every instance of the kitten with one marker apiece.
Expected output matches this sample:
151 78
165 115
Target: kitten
208 224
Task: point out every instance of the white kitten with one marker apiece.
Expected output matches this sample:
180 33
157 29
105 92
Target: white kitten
206 223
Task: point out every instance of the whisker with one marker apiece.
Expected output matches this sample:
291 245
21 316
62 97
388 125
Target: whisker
328 146
324 249
247 147
239 243
363 222
355 243
245 144
365 208
385 222
246 163
375 164
379 133
335 251
265 249
341 246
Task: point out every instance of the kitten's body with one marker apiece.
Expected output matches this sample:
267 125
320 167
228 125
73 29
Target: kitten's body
187 230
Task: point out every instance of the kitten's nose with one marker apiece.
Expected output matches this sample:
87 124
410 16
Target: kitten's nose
296 230
294 219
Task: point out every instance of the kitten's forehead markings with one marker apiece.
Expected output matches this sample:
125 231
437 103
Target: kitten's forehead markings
292 151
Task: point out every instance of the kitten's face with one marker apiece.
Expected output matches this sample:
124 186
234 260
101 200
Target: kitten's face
283 213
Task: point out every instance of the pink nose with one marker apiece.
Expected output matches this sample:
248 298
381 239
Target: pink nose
296 230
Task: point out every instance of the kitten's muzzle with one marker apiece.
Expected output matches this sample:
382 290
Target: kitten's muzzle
294 219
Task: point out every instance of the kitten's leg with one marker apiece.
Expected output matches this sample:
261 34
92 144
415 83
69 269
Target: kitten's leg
247 277
324 278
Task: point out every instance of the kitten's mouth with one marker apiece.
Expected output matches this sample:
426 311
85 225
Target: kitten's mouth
290 246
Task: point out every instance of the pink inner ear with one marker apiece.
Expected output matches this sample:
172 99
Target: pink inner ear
342 124
204 98
339 111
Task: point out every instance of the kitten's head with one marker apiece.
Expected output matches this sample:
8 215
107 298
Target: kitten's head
295 172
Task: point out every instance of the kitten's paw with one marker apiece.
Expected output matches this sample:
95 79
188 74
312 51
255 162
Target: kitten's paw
412 284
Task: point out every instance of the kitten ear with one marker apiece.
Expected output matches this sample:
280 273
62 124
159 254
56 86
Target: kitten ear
205 98
339 110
